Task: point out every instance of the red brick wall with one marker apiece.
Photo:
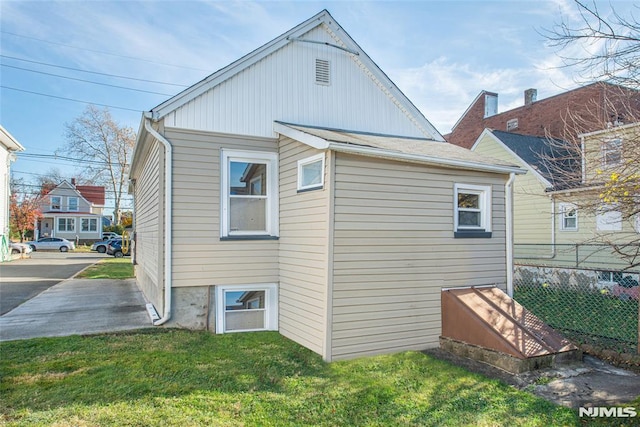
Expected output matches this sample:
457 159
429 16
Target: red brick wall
591 107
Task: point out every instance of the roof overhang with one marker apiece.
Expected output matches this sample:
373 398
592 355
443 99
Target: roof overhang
307 137
9 141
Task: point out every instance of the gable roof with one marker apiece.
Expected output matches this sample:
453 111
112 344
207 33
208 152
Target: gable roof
545 156
393 147
292 36
94 194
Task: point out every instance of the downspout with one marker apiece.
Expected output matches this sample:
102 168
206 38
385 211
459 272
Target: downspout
168 198
509 228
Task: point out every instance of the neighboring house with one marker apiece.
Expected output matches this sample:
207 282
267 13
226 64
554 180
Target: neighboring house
73 212
547 205
298 190
593 107
8 146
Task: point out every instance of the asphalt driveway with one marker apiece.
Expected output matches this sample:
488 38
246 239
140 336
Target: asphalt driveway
66 307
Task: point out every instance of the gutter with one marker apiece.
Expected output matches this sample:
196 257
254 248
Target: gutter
168 248
419 158
508 187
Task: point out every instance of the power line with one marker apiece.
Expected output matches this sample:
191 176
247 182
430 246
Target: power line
83 80
92 72
104 52
71 159
70 99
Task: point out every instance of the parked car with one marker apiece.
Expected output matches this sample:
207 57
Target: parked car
52 243
107 235
102 246
115 248
20 248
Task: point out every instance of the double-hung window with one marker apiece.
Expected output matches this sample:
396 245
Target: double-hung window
568 217
56 202
89 224
73 204
67 224
611 152
249 191
472 216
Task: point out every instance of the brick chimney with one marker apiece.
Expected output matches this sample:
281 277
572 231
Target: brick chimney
530 96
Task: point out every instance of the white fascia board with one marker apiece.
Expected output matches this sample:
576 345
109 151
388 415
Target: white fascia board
524 164
419 158
303 137
9 141
237 66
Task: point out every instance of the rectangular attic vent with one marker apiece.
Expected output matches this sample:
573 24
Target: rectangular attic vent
323 76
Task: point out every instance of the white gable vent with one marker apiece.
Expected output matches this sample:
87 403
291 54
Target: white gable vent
323 76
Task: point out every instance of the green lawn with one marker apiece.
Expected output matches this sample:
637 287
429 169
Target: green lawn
165 377
109 268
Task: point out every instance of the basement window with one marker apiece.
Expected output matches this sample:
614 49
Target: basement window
472 217
244 308
323 72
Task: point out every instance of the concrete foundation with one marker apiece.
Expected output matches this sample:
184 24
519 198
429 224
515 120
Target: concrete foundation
193 308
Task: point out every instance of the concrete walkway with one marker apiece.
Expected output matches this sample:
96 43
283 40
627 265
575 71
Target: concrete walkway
78 307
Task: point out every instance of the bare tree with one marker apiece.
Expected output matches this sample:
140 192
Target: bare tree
104 148
601 45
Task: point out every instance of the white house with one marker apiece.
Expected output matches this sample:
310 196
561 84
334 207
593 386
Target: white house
8 146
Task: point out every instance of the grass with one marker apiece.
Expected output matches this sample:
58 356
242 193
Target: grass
583 315
109 268
165 377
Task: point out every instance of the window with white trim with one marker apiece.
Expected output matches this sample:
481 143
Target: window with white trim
611 152
608 218
568 217
56 202
67 224
472 216
72 203
311 173
88 224
244 308
249 194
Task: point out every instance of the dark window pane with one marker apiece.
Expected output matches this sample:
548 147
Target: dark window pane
466 200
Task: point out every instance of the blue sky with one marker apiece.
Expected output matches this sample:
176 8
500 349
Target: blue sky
441 54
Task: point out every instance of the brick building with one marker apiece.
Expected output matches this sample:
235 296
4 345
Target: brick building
589 108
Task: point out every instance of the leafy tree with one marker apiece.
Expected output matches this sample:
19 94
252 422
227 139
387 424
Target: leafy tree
104 148
23 214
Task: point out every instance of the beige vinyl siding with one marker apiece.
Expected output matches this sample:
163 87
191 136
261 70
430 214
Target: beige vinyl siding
200 258
303 257
150 214
394 251
531 205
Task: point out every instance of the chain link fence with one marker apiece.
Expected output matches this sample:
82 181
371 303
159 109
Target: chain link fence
597 305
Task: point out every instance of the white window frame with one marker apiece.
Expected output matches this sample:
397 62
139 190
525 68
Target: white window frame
271 187
564 208
77 204
608 218
613 145
66 230
270 305
89 229
308 161
484 193
51 203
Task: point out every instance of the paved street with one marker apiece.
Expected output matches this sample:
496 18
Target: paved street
23 279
